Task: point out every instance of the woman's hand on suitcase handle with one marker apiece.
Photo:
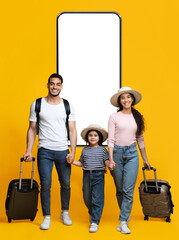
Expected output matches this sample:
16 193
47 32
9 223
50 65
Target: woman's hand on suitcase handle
144 157
146 164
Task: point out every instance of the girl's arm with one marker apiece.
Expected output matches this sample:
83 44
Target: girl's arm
77 163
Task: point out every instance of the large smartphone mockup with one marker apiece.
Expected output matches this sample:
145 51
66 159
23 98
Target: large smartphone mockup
89 59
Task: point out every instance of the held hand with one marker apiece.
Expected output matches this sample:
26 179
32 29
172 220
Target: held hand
69 161
107 163
27 157
111 165
70 158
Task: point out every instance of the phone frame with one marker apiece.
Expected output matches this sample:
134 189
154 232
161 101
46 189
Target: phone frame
120 43
120 37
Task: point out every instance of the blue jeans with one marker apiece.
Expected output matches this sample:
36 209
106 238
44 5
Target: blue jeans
45 160
93 193
125 175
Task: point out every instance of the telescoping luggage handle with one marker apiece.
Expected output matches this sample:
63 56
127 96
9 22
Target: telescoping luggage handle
145 181
32 173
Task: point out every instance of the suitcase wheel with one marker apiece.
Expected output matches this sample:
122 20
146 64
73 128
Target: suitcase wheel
146 218
168 219
9 220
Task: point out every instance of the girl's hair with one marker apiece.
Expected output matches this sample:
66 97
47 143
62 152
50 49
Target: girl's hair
100 143
137 116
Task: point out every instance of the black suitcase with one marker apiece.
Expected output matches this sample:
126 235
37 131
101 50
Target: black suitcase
155 197
22 197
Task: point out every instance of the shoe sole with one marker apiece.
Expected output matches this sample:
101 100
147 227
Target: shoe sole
44 228
119 230
91 231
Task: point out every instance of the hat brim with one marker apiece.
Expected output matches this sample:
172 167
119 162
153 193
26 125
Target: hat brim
114 98
101 130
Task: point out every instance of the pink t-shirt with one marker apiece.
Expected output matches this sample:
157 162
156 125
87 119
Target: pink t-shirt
122 130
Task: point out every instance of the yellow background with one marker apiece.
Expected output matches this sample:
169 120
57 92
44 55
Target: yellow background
149 64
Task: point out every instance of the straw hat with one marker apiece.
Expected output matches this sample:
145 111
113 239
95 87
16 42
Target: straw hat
94 127
114 98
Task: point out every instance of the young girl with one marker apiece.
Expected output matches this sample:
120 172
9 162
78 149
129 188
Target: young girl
93 160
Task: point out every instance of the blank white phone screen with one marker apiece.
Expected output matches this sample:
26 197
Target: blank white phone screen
89 60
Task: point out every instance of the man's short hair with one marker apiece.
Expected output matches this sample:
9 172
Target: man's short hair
55 75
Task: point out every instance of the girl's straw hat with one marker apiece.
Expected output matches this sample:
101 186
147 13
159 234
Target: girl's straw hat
94 127
114 98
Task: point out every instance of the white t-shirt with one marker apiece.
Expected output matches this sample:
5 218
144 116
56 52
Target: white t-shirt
52 128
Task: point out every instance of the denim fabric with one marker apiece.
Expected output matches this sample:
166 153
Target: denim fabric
45 160
93 193
125 175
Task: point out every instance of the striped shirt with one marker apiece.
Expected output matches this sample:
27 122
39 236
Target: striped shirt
93 158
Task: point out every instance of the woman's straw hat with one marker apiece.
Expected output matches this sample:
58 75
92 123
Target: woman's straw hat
136 94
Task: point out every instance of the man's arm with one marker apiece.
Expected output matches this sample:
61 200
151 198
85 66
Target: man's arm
31 134
73 141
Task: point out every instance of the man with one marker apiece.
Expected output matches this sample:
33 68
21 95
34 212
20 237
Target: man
53 147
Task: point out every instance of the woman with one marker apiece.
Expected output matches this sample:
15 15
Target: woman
125 127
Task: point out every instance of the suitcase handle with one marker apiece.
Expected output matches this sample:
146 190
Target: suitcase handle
155 175
151 168
32 173
22 159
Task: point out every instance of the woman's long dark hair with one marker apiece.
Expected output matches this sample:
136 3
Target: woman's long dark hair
137 116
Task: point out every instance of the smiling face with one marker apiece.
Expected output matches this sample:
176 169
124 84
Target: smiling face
126 100
54 86
93 138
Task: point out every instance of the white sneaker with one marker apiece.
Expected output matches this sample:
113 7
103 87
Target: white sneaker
93 228
123 228
46 223
65 217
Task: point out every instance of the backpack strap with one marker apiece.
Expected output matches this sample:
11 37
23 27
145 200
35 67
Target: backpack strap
67 109
37 110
